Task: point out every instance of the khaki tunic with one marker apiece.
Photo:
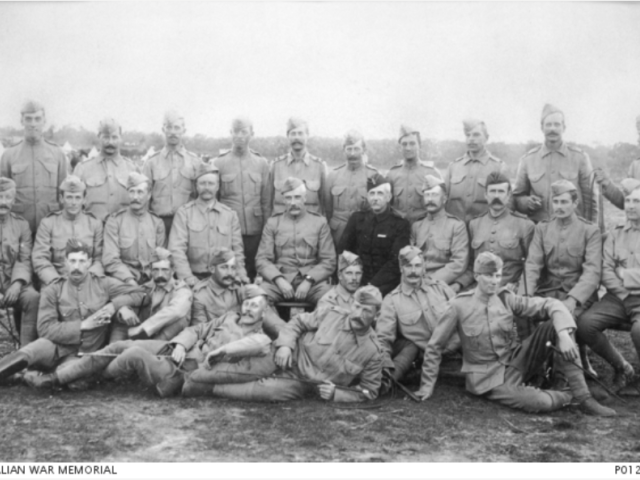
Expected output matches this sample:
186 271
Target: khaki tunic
38 170
311 169
129 242
245 189
611 191
444 242
49 258
622 249
173 175
407 181
466 180
338 296
106 181
540 167
15 251
197 230
211 301
565 255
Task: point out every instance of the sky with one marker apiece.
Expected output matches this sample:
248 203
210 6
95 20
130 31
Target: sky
371 66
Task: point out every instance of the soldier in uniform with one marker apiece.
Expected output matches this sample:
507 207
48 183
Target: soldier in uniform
410 314
349 280
442 237
172 171
202 225
376 236
106 174
465 177
346 187
621 278
496 365
296 255
132 234
334 347
74 315
15 259
37 165
406 177
57 228
555 160
299 163
245 188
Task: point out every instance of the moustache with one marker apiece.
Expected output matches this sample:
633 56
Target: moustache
228 278
161 280
496 201
430 204
75 272
413 275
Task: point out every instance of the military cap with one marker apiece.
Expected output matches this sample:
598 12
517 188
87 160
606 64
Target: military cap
408 253
108 126
487 263
205 168
495 178
171 117
72 184
31 106
469 124
6 184
160 254
297 122
352 137
75 245
241 122
220 255
291 183
136 179
378 180
562 186
251 291
347 259
432 182
368 295
407 130
548 110
629 185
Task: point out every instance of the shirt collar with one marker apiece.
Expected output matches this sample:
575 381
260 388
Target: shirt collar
483 158
305 158
408 290
202 205
117 159
343 293
167 288
562 150
629 226
219 290
180 150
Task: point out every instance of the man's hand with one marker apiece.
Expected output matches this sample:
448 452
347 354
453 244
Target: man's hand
128 316
620 270
423 394
570 303
191 281
283 358
327 390
534 203
303 290
132 282
12 294
213 357
601 176
178 355
99 319
285 288
567 346
243 279
512 287
455 287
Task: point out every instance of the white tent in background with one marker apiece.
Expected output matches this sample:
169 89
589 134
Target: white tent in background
66 148
150 152
93 152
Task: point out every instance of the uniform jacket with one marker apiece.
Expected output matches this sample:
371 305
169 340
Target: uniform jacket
173 174
15 248
612 193
622 249
38 170
49 259
129 241
338 296
407 187
311 169
245 188
211 301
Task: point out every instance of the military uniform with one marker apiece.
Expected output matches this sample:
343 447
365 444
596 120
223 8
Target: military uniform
465 181
311 169
49 259
172 173
106 181
198 229
406 181
246 189
211 301
15 262
346 192
540 167
38 170
295 247
377 239
129 241
338 296
612 193
444 242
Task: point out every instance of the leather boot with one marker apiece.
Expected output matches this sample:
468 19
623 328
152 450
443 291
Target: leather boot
192 388
622 376
591 407
171 385
586 364
13 363
402 362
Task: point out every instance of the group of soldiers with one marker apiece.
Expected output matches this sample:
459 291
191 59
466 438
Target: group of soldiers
112 272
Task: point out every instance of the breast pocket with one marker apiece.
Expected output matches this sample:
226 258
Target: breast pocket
312 191
621 256
576 253
456 185
309 247
223 235
472 333
478 245
50 171
338 197
571 175
537 180
509 249
442 248
254 185
228 184
198 238
128 247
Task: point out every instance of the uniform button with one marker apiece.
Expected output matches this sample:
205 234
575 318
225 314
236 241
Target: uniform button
493 240
468 194
493 231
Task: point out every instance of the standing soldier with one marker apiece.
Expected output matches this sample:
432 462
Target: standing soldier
346 187
172 172
548 163
299 163
105 175
465 177
245 188
132 234
57 228
38 167
406 177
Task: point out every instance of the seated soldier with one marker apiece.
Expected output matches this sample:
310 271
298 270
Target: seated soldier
74 315
15 262
442 237
496 366
376 236
165 365
349 278
410 314
132 234
58 227
333 348
296 256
